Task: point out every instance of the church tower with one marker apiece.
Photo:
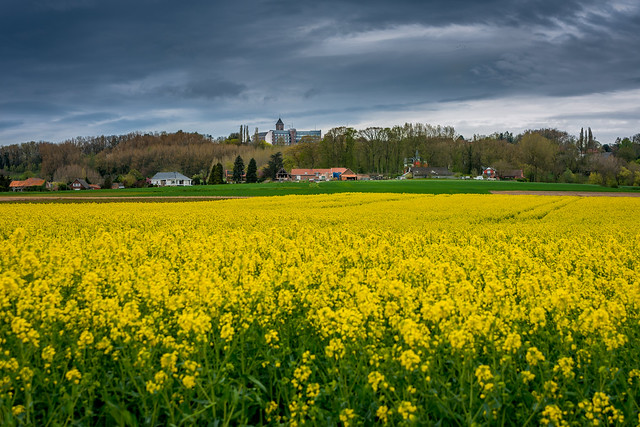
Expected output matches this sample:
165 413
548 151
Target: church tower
279 125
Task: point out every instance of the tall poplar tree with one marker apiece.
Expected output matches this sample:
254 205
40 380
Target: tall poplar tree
581 141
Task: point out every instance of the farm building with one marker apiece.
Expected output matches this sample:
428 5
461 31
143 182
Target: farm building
430 172
511 174
342 174
28 184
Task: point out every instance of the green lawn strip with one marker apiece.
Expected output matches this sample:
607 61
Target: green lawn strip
419 186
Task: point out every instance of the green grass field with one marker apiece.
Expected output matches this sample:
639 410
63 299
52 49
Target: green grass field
426 186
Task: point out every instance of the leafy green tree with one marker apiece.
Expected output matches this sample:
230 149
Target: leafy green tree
252 171
595 178
238 169
567 176
626 149
625 176
337 147
107 183
538 153
132 179
4 182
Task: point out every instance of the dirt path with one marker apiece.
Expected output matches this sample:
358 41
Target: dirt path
569 193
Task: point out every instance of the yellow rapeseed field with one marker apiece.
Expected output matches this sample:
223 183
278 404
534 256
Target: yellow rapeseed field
350 309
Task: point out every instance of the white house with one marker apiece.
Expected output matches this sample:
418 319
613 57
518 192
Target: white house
169 179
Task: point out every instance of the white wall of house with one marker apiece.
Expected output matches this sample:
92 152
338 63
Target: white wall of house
171 182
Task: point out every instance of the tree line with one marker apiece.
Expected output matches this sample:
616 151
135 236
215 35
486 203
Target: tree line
544 155
125 158
548 155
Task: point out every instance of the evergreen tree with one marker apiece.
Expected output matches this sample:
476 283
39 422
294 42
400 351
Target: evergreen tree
275 164
212 176
221 179
252 171
238 169
217 175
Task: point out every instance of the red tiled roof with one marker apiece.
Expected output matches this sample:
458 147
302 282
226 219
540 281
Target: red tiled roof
310 172
29 182
34 182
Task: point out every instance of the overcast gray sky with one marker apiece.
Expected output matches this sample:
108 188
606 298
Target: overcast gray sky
88 67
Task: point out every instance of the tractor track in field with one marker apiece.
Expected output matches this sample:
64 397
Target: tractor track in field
568 193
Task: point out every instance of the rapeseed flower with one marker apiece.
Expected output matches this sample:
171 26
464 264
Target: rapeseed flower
289 308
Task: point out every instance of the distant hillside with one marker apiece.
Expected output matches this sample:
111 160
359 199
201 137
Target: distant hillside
98 157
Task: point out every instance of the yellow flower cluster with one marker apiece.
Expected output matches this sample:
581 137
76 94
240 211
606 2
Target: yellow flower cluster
350 308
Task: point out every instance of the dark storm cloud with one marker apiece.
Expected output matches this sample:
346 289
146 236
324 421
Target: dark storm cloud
28 108
6 124
89 118
76 61
209 88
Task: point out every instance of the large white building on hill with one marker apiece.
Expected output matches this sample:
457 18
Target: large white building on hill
280 136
